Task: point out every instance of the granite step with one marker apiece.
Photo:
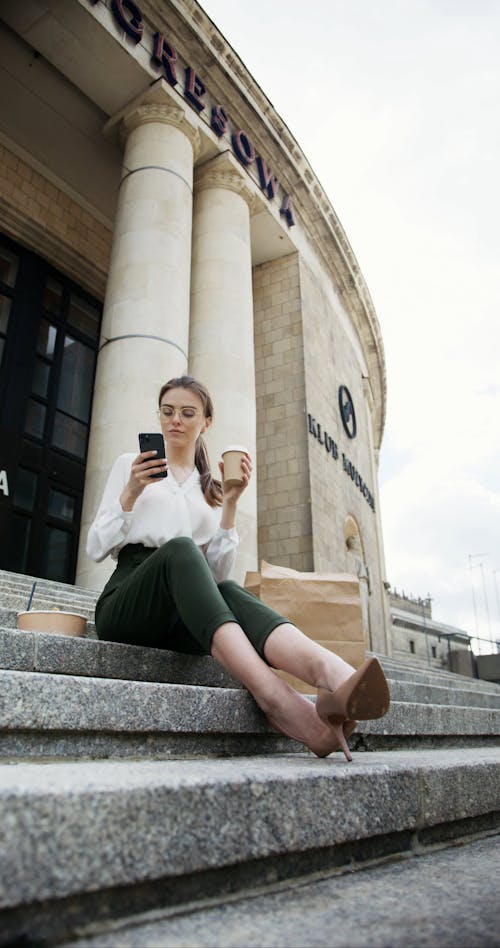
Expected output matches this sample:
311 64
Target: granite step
57 716
86 841
65 655
395 667
334 908
15 589
18 586
47 715
58 654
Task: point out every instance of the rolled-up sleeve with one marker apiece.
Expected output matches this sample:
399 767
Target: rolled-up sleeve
111 524
221 553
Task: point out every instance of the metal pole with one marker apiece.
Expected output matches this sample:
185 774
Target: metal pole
473 595
495 583
471 557
486 601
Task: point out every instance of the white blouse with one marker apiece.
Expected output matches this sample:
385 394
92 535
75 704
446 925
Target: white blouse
163 511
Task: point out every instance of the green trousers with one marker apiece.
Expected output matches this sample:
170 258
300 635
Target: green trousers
168 598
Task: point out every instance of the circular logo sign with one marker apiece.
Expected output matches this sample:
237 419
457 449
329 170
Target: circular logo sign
347 411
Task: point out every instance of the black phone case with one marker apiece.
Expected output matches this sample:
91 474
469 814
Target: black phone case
153 441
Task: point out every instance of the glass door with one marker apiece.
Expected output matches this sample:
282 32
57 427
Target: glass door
49 331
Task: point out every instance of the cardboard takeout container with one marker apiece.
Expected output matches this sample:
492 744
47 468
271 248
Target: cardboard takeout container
52 621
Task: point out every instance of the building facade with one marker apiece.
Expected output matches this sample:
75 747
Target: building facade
156 218
420 640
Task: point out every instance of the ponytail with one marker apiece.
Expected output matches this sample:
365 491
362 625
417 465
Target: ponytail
212 489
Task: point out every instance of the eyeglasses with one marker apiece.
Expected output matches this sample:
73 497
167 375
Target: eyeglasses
187 414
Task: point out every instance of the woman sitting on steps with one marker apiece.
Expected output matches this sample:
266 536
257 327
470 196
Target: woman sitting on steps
175 542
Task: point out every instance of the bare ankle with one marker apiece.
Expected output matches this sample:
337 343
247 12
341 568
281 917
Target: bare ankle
333 674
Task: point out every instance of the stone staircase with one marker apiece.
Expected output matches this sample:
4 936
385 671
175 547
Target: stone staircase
134 779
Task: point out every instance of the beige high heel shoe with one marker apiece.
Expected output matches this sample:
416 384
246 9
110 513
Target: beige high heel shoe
342 733
364 696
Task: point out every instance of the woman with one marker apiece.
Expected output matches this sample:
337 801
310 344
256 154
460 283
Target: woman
175 542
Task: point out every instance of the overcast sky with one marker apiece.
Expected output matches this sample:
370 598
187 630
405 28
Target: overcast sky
395 105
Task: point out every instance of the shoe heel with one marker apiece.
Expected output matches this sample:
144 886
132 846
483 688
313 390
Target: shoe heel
338 730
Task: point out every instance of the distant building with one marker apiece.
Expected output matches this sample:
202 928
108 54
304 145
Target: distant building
419 639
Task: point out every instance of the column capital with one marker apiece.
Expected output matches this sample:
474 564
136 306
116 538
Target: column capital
225 172
155 105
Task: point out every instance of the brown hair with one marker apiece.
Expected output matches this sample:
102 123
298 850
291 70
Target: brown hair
211 488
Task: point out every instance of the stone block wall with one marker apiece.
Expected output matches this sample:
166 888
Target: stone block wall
284 512
343 473
41 216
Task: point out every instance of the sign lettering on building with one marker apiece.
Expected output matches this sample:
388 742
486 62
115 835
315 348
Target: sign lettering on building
128 16
331 448
4 483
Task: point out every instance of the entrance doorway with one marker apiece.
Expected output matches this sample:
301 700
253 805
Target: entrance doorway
49 332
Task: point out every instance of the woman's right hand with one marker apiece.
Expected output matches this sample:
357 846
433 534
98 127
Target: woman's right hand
143 466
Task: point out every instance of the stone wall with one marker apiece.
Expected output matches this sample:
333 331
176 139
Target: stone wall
339 505
47 220
284 513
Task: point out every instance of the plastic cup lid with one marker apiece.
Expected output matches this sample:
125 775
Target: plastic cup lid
235 447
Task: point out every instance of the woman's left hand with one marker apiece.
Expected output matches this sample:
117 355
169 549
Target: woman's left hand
233 494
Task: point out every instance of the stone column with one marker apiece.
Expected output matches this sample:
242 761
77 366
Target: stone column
145 330
221 342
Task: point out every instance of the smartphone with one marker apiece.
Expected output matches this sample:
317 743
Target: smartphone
153 442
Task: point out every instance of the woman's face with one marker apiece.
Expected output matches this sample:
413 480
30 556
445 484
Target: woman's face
182 416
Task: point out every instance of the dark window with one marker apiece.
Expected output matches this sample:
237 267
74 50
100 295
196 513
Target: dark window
46 341
61 505
412 646
49 329
56 550
41 376
52 297
19 536
5 305
25 490
69 435
76 379
35 419
9 265
84 316
4 314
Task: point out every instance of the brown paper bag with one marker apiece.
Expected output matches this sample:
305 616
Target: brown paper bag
325 606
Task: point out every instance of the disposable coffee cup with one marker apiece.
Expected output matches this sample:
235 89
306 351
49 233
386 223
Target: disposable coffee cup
232 456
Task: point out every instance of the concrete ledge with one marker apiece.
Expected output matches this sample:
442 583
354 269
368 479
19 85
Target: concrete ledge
32 651
54 715
332 908
15 593
170 745
58 654
71 828
21 584
66 703
429 693
404 672
425 719
37 701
